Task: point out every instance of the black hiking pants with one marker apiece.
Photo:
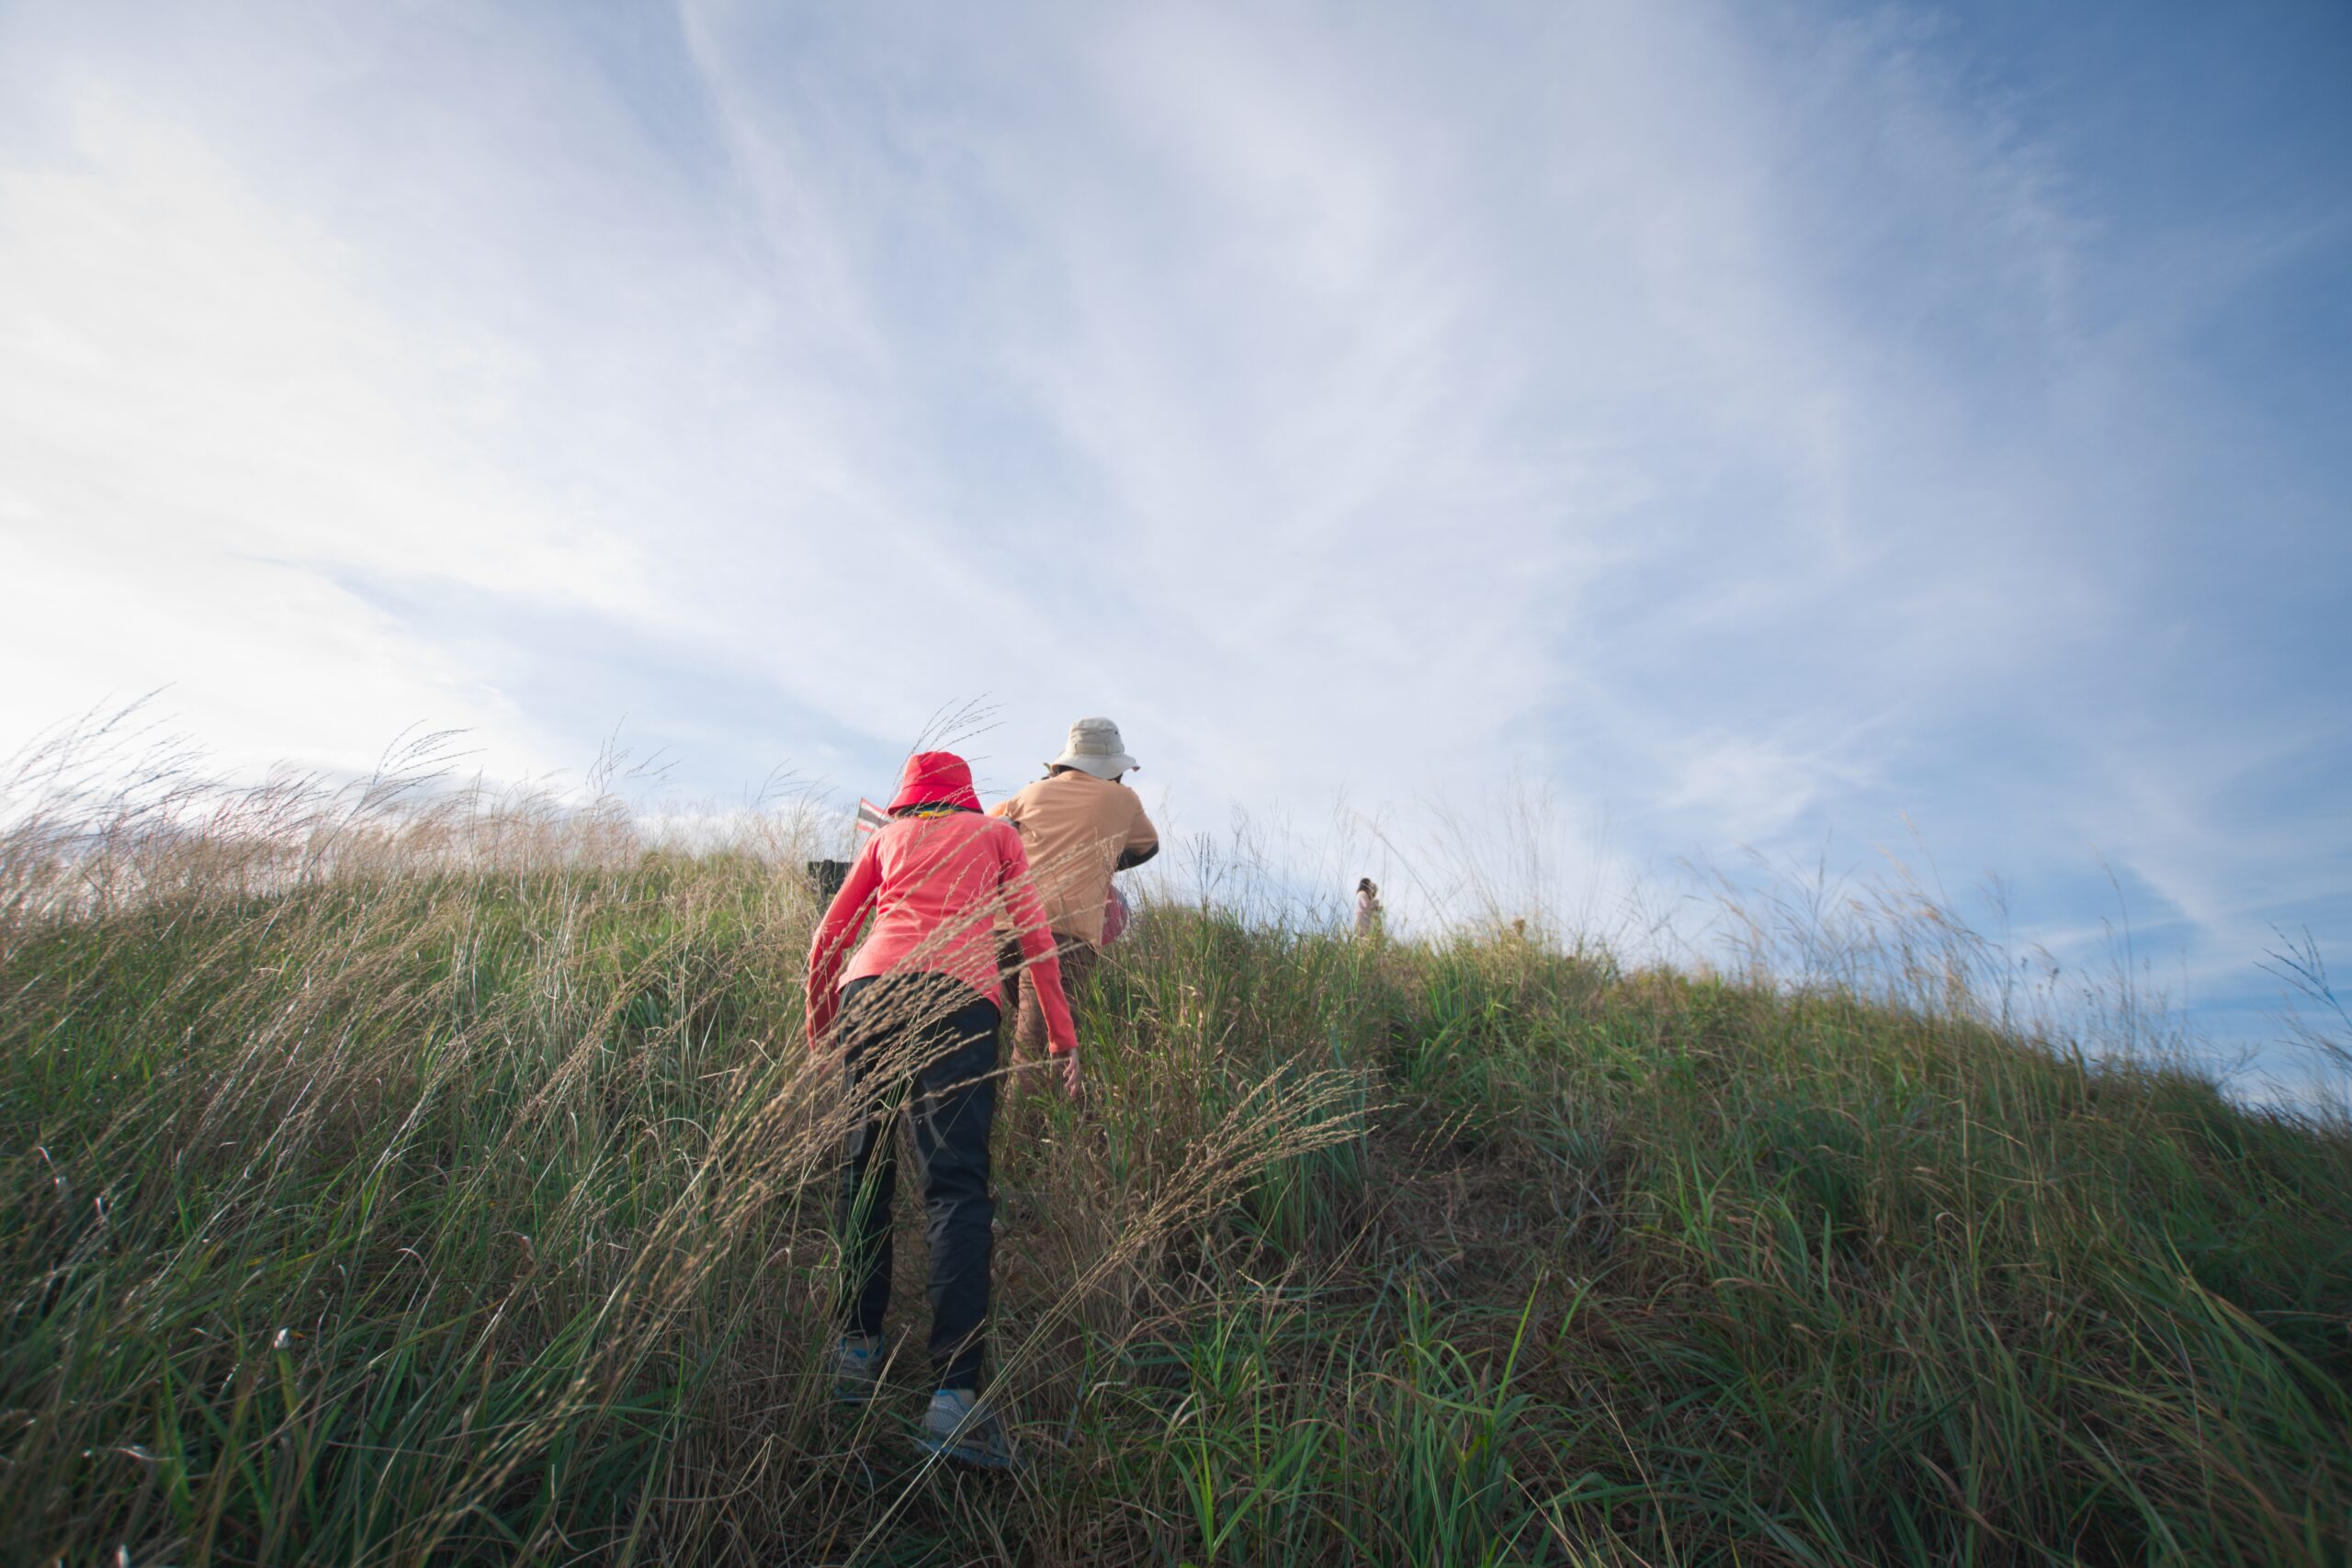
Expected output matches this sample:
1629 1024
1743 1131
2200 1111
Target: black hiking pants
948 1033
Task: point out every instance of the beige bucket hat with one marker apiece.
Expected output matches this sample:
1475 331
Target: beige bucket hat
1095 748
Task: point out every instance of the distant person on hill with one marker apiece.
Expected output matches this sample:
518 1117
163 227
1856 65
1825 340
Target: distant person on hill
919 1001
1080 825
1368 910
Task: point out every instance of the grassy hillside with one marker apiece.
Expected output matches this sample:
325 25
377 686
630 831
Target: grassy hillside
471 1209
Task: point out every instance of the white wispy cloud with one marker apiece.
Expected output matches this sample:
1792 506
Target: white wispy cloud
1732 418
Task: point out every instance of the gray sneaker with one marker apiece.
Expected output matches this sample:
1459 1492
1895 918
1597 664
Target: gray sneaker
958 1427
857 1368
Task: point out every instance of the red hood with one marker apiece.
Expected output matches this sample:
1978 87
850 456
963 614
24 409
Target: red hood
935 778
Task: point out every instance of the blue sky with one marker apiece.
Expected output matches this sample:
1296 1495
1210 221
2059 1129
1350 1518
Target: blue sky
1798 428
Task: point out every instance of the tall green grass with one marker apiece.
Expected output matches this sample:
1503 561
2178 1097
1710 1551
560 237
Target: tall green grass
451 1187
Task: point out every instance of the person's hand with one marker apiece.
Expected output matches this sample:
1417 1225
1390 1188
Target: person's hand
1067 1077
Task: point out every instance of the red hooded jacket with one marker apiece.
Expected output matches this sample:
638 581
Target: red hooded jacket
937 883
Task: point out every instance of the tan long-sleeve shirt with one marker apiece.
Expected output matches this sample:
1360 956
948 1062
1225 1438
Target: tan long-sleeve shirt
1078 829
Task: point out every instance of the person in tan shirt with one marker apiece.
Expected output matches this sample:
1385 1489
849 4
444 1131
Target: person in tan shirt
1080 825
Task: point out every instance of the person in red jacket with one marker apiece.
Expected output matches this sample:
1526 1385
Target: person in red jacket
918 1003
